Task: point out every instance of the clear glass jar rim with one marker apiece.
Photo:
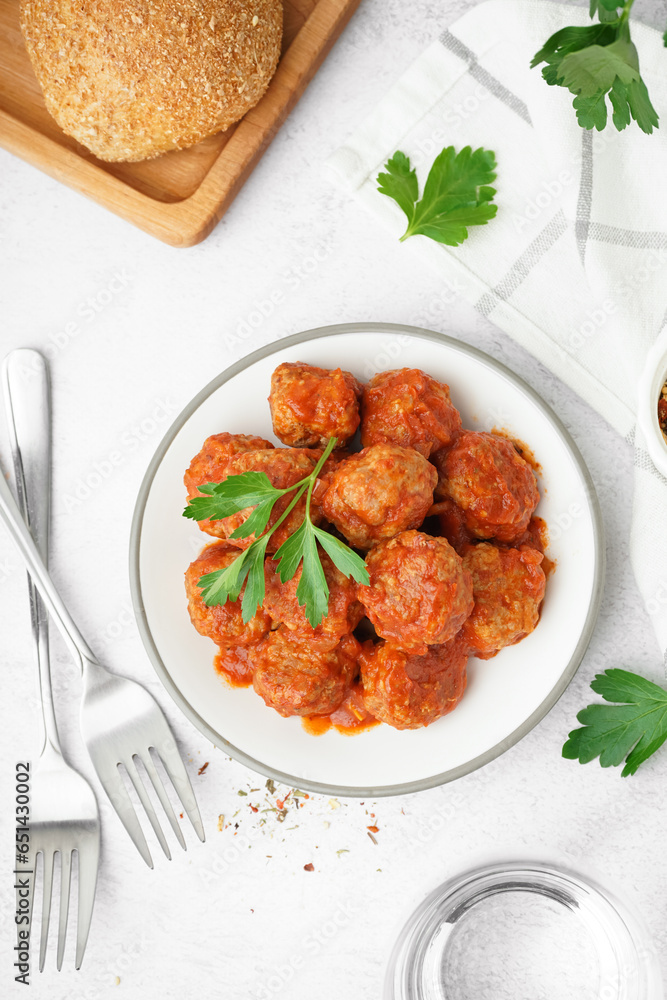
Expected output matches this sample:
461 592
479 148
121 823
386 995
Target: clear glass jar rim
616 929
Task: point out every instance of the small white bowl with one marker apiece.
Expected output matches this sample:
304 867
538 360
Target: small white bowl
650 385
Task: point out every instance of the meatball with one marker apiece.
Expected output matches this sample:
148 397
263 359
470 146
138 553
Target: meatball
408 691
296 679
379 492
508 587
408 408
495 487
309 405
222 623
210 465
283 466
419 592
343 615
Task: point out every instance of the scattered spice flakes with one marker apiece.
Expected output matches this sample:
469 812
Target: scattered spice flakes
221 822
253 808
342 850
202 768
334 804
372 838
271 786
310 867
241 792
181 815
373 829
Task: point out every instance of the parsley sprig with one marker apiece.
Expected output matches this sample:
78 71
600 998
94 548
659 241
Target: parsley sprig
457 193
254 489
630 730
599 61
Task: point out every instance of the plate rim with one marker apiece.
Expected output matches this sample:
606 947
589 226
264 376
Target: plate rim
451 774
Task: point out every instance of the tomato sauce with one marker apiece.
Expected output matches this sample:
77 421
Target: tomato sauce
234 666
349 718
527 454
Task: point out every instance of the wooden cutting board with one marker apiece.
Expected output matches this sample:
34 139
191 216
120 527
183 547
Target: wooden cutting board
181 196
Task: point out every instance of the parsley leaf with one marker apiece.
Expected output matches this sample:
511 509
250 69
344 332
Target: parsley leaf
594 70
457 193
631 730
313 589
234 494
400 183
254 489
253 597
598 61
225 584
343 557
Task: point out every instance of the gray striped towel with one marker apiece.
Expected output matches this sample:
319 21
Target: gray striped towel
574 265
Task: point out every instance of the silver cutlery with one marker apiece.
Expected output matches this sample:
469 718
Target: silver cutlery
64 817
121 722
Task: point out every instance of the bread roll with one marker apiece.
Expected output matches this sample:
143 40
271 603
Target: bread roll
131 79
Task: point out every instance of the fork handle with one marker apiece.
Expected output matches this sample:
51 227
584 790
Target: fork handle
29 411
28 407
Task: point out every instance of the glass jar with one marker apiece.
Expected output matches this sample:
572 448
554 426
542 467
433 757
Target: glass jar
523 930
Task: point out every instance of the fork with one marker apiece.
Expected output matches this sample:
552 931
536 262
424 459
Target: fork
64 817
120 720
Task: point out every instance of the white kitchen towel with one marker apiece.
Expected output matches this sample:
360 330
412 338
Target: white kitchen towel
574 265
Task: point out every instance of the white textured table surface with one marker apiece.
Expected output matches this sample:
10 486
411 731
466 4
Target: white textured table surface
133 329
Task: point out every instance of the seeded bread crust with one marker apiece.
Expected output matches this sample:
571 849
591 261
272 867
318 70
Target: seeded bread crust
131 79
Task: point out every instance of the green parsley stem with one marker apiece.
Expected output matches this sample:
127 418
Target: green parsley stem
301 487
316 471
290 507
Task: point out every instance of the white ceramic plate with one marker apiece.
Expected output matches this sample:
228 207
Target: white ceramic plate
506 696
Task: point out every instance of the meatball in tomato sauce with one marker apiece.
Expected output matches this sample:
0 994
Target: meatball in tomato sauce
210 464
343 614
489 480
420 594
221 623
508 589
309 405
408 690
295 679
283 466
379 492
409 408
